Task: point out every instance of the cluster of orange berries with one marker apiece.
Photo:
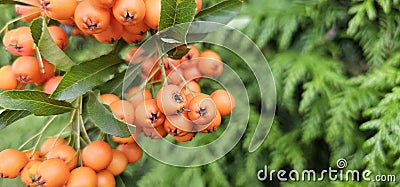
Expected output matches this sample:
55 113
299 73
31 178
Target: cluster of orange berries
26 69
55 165
105 20
179 108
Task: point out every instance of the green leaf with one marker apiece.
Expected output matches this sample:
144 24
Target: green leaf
7 117
222 12
113 86
103 118
175 12
13 2
36 102
85 76
47 47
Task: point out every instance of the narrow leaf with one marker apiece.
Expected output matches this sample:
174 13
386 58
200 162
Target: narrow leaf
7 117
222 12
47 47
103 118
85 76
36 102
176 12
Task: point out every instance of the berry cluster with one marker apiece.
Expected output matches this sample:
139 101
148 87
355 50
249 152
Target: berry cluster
56 163
27 69
178 108
105 20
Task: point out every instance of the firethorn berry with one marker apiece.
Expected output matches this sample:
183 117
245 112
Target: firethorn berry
33 155
19 42
170 101
59 9
91 19
213 126
135 96
12 162
139 28
82 176
187 61
7 78
51 85
192 73
123 140
148 114
50 143
66 153
190 86
26 69
202 110
59 36
49 71
69 21
24 10
103 3
132 38
52 172
153 10
132 151
224 101
189 136
199 4
107 99
129 12
124 110
178 125
118 163
210 64
112 33
105 179
97 155
155 133
29 171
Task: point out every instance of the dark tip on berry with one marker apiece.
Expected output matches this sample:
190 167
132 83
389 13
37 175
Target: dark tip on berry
45 4
153 117
203 111
128 16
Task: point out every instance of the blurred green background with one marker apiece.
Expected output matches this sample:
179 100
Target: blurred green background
336 69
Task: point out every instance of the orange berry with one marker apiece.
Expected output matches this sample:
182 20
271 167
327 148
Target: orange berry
50 143
91 19
224 101
52 172
112 33
19 42
132 151
105 179
66 153
107 99
129 12
82 176
23 10
51 85
59 9
59 36
136 97
11 163
97 155
118 163
26 69
124 110
7 78
153 10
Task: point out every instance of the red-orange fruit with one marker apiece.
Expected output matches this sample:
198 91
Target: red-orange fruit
135 96
19 42
29 171
132 38
59 36
59 9
52 172
124 110
189 136
112 33
66 153
91 19
51 85
50 143
107 99
7 78
97 155
11 163
153 10
118 163
26 69
24 10
105 179
156 132
148 114
139 28
103 3
224 101
82 176
132 151
129 12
